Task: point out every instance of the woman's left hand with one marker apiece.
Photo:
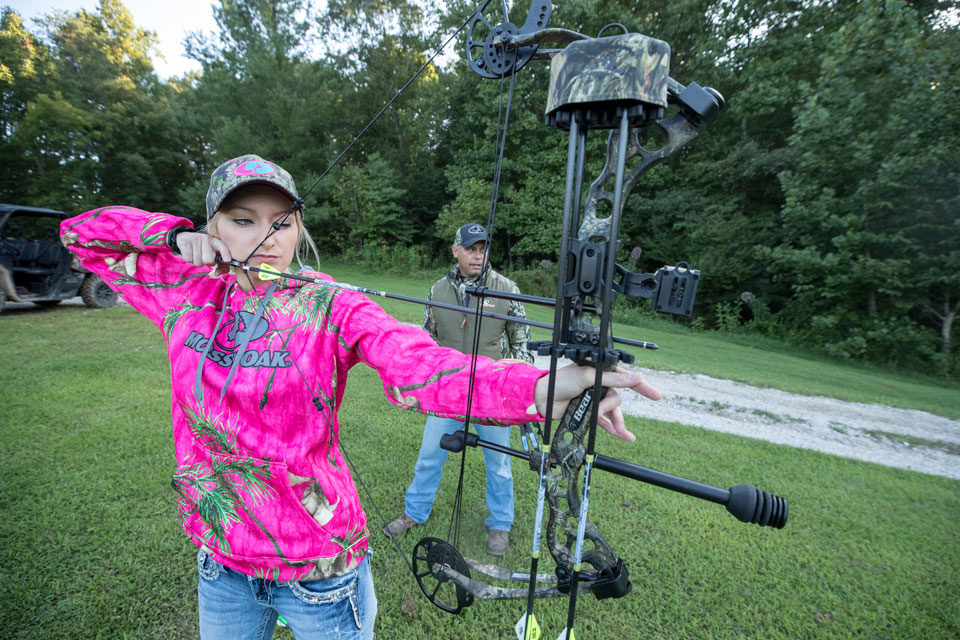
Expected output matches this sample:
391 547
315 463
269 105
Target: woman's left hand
572 380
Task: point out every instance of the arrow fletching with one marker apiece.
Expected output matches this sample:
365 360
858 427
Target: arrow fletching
267 272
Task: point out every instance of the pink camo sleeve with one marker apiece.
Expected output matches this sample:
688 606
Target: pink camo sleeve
126 247
419 375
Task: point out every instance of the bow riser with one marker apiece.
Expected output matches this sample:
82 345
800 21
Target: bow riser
567 456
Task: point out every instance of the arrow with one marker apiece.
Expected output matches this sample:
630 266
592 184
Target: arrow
267 273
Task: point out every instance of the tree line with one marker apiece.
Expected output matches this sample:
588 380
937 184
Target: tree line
821 207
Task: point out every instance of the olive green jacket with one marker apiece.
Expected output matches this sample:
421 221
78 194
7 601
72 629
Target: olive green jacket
499 339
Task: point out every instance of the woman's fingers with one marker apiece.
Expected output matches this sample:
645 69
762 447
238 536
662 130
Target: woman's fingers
611 419
610 401
573 380
200 249
221 249
207 254
630 380
191 247
615 426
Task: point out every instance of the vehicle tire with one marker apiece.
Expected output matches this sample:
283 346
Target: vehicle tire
96 294
3 300
47 303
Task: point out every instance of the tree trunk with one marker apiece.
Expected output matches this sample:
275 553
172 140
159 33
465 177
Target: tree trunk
946 331
946 328
872 302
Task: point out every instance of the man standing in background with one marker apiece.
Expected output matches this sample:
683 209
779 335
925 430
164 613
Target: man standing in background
499 339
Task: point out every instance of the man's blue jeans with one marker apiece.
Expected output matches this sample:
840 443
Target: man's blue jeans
426 474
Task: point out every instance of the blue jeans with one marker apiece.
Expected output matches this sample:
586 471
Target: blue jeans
426 474
235 606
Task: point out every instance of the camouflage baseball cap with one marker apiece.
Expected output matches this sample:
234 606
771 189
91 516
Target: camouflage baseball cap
470 234
243 171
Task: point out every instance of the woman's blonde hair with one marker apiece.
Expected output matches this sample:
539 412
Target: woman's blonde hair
305 249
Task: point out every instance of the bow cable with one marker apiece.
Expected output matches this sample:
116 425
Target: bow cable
503 117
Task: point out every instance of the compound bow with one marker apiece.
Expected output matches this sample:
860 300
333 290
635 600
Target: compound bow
620 83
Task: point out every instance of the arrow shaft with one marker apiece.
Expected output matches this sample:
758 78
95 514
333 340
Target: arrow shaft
270 273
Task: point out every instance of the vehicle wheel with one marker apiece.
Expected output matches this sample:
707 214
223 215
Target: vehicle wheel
96 294
3 300
47 303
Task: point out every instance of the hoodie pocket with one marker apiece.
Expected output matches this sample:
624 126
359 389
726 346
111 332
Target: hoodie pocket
244 509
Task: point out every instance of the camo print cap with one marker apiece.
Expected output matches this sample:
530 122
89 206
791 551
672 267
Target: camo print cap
245 170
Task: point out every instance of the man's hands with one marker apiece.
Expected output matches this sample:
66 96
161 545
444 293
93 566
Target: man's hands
200 249
573 380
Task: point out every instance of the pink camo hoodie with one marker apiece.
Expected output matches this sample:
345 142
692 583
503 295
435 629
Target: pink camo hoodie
261 481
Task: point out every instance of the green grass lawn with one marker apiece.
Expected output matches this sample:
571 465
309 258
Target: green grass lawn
93 546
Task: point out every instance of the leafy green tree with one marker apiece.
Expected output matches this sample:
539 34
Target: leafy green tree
258 92
388 43
469 205
25 64
91 122
871 184
926 180
368 203
718 201
55 141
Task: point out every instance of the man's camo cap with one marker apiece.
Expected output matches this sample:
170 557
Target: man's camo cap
243 171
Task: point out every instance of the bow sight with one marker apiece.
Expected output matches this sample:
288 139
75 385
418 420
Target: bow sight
619 83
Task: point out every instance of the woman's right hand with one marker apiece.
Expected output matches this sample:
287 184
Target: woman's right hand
572 380
200 249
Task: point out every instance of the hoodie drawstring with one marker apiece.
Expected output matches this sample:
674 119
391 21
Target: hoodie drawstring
246 335
197 386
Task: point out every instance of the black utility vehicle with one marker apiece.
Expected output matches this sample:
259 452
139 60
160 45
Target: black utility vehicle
35 267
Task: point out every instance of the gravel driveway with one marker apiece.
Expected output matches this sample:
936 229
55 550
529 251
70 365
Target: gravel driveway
902 438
